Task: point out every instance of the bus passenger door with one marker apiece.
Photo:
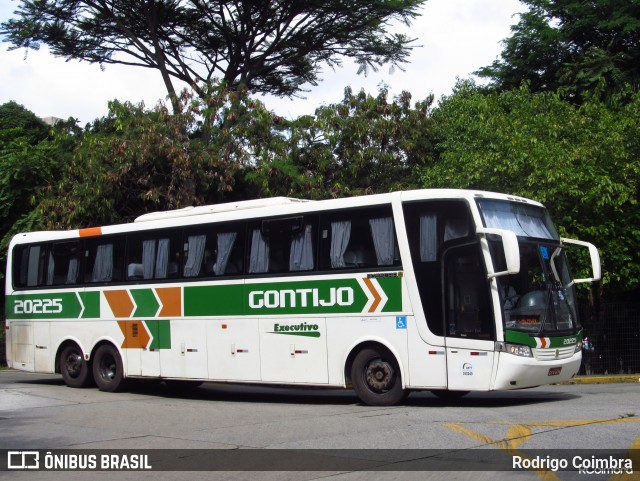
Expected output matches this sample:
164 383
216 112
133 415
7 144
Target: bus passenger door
469 319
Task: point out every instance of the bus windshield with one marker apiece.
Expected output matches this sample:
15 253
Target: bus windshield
523 219
540 299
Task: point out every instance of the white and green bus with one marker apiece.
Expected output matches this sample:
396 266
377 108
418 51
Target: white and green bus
443 290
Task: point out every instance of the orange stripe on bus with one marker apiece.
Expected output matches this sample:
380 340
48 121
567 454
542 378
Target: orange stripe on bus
135 335
90 231
120 303
376 296
171 299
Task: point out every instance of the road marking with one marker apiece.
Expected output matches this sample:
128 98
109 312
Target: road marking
520 432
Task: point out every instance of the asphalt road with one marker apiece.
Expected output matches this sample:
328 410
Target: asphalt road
38 412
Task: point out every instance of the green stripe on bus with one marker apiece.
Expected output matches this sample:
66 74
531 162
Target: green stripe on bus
327 296
58 305
161 332
392 286
214 300
533 340
332 296
146 303
91 301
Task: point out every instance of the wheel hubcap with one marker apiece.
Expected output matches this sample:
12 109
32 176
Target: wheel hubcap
379 375
74 364
108 369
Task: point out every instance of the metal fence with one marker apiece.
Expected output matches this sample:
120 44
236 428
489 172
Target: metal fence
613 331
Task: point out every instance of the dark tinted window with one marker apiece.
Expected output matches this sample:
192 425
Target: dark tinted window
431 227
104 259
64 262
153 256
282 245
358 239
213 251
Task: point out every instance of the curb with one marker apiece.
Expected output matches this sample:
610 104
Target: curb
604 379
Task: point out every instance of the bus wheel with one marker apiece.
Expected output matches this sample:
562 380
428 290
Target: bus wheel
75 371
375 376
108 370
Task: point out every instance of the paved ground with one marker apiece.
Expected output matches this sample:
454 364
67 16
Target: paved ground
40 412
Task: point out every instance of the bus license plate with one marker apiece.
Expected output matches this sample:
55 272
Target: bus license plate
554 371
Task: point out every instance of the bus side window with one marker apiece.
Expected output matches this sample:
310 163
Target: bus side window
226 255
213 252
104 260
64 264
282 245
431 225
29 264
153 257
467 295
359 239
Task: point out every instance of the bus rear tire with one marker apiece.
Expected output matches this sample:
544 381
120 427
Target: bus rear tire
376 379
108 370
75 371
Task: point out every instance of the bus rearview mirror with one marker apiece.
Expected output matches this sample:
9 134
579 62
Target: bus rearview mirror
510 248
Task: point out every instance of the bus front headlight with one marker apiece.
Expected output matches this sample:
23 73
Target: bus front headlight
518 350
515 349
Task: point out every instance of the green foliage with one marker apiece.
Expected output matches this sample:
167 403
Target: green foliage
362 145
570 44
137 160
31 154
268 47
583 162
16 121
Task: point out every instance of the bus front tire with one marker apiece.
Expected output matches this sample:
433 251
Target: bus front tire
75 371
108 370
376 379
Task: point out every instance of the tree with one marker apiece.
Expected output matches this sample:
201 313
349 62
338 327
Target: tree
17 121
269 47
582 161
576 45
136 160
361 145
31 155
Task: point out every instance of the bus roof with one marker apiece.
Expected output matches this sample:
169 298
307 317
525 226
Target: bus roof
257 208
216 208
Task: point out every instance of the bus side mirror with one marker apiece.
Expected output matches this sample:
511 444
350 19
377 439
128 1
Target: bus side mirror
595 260
510 248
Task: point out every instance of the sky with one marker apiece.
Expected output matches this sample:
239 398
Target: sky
453 39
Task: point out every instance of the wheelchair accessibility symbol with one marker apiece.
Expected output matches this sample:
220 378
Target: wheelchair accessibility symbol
401 322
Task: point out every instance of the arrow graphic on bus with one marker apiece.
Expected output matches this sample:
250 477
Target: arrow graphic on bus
135 334
376 295
159 302
150 334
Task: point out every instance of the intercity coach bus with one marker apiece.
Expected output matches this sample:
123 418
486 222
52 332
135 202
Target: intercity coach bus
443 290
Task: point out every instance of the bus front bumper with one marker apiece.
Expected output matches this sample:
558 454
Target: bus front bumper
516 372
